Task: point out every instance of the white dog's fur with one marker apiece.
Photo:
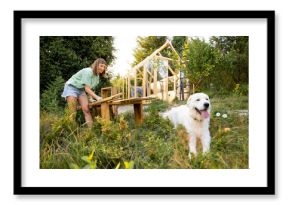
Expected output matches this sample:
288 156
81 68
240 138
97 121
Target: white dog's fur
195 117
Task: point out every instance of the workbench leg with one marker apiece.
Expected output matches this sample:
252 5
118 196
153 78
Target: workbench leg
138 112
105 111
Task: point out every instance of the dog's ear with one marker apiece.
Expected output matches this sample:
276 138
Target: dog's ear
189 99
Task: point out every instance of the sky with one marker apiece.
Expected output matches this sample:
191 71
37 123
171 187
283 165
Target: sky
124 46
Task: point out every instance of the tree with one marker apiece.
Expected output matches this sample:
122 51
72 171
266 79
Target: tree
200 63
65 55
146 46
231 59
178 43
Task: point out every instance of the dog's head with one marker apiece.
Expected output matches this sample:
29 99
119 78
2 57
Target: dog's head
200 103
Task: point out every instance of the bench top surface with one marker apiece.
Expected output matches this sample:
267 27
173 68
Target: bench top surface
130 101
138 100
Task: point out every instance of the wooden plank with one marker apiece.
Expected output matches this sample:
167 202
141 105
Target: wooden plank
174 51
105 111
138 113
173 73
135 84
131 101
114 91
123 90
148 85
129 87
144 82
148 73
174 81
155 82
164 58
166 88
142 63
99 102
106 92
105 99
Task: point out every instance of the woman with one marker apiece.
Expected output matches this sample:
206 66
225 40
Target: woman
84 81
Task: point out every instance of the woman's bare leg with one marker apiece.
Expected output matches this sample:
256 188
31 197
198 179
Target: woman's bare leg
83 100
72 107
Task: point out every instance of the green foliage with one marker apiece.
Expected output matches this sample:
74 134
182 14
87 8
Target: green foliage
127 165
51 100
91 164
241 90
218 65
157 106
117 81
65 55
231 62
178 43
200 62
120 144
112 144
146 46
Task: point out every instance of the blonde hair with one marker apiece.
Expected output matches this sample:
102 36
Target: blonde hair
95 65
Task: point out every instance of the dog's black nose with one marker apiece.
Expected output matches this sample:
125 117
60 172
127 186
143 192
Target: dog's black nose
206 105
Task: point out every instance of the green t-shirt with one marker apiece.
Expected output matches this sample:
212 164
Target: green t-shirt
84 77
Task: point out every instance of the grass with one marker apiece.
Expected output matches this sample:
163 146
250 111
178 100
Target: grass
120 144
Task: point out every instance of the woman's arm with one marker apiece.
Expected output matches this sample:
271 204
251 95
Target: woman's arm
91 93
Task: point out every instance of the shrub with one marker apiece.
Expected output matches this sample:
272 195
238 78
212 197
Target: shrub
240 90
109 144
121 144
51 100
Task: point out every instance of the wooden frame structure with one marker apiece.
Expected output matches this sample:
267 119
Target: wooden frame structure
149 78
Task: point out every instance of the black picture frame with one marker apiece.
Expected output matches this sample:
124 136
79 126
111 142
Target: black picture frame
19 189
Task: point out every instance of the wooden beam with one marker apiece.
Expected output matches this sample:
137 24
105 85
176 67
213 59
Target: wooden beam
148 86
142 63
138 113
123 96
103 100
135 84
155 82
148 72
166 88
168 66
164 58
171 46
131 101
105 111
106 92
144 82
129 87
174 83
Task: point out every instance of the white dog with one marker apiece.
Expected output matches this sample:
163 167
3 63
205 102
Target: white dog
195 117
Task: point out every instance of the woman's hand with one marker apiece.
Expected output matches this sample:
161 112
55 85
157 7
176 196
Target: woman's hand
98 98
91 93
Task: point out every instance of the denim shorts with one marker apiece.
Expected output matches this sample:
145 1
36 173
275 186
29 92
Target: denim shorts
70 90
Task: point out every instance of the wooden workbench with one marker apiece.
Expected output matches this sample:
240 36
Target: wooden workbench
137 103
